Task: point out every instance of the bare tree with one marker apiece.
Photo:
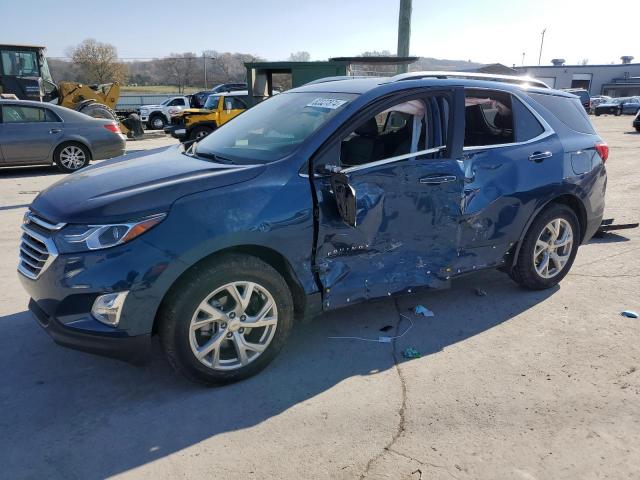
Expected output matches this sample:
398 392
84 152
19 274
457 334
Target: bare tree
178 69
98 62
300 57
584 61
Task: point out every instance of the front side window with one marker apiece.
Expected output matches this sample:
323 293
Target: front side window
408 127
212 102
488 118
235 103
177 102
19 63
20 114
274 128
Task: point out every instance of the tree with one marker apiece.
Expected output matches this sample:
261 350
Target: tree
300 57
178 69
98 62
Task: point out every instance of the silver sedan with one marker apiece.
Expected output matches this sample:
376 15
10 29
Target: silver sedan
34 133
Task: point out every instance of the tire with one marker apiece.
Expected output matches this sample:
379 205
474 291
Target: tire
156 122
71 157
227 328
597 114
198 133
528 271
618 113
637 129
98 110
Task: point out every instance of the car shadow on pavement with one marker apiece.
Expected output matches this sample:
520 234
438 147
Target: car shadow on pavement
68 414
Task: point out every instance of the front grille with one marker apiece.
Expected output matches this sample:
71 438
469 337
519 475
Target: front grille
37 249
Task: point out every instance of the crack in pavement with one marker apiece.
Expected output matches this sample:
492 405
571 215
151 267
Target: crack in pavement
401 413
401 424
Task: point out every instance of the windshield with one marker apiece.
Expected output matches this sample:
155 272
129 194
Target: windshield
274 128
212 102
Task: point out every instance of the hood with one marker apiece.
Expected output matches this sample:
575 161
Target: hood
129 188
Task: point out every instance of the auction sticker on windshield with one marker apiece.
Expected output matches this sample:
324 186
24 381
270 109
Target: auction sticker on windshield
329 103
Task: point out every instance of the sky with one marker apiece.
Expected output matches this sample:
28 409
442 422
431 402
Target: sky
485 31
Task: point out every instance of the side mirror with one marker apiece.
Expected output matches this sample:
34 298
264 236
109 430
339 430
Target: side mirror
345 197
228 107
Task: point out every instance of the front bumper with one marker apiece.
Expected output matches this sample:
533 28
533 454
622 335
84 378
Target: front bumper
135 350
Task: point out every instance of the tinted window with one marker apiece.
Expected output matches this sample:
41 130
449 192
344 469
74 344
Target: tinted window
568 110
176 102
274 128
19 63
236 103
488 118
527 125
20 114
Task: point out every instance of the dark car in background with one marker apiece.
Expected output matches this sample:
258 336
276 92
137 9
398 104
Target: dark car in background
200 98
585 98
619 106
321 197
36 133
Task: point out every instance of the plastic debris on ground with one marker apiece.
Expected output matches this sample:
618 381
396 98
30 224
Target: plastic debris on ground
629 314
411 353
424 311
480 292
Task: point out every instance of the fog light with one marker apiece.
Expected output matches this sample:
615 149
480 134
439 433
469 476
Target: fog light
107 308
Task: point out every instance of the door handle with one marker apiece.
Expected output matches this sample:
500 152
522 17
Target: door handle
539 156
438 180
55 130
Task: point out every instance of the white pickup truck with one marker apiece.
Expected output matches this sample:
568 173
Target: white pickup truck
157 116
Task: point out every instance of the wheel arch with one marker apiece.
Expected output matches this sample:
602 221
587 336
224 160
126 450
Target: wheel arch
71 140
571 201
268 255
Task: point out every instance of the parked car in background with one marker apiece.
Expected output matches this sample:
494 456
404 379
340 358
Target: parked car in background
157 116
585 98
636 122
201 97
597 100
619 106
321 197
35 133
197 123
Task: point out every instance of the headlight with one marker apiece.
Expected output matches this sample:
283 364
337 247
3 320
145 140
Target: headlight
144 111
80 238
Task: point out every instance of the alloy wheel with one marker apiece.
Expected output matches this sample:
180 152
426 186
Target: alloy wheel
72 157
553 248
233 325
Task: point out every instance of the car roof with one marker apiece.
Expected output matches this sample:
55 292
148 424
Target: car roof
237 93
359 85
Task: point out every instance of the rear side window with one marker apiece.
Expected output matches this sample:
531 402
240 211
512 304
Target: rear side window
568 110
526 124
488 118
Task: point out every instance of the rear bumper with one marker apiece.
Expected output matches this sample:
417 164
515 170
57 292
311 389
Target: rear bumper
135 350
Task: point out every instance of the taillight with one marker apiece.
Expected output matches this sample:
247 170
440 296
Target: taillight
603 151
112 127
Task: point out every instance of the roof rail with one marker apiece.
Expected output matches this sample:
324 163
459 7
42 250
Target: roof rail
337 78
530 81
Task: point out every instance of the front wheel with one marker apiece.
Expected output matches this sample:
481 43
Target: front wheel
198 133
226 320
548 250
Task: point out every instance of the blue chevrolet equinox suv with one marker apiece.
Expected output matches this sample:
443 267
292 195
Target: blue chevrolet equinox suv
324 196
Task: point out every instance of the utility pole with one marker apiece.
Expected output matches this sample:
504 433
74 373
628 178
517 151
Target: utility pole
541 43
204 61
404 32
523 58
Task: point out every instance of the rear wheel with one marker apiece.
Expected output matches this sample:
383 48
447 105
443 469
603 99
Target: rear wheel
70 157
226 320
548 250
198 133
98 110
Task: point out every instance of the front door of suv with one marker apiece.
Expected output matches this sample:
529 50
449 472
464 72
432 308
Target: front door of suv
400 158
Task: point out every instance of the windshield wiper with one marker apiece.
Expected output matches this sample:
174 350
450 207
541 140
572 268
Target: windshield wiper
213 156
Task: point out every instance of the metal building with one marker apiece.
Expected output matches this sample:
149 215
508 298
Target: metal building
614 80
